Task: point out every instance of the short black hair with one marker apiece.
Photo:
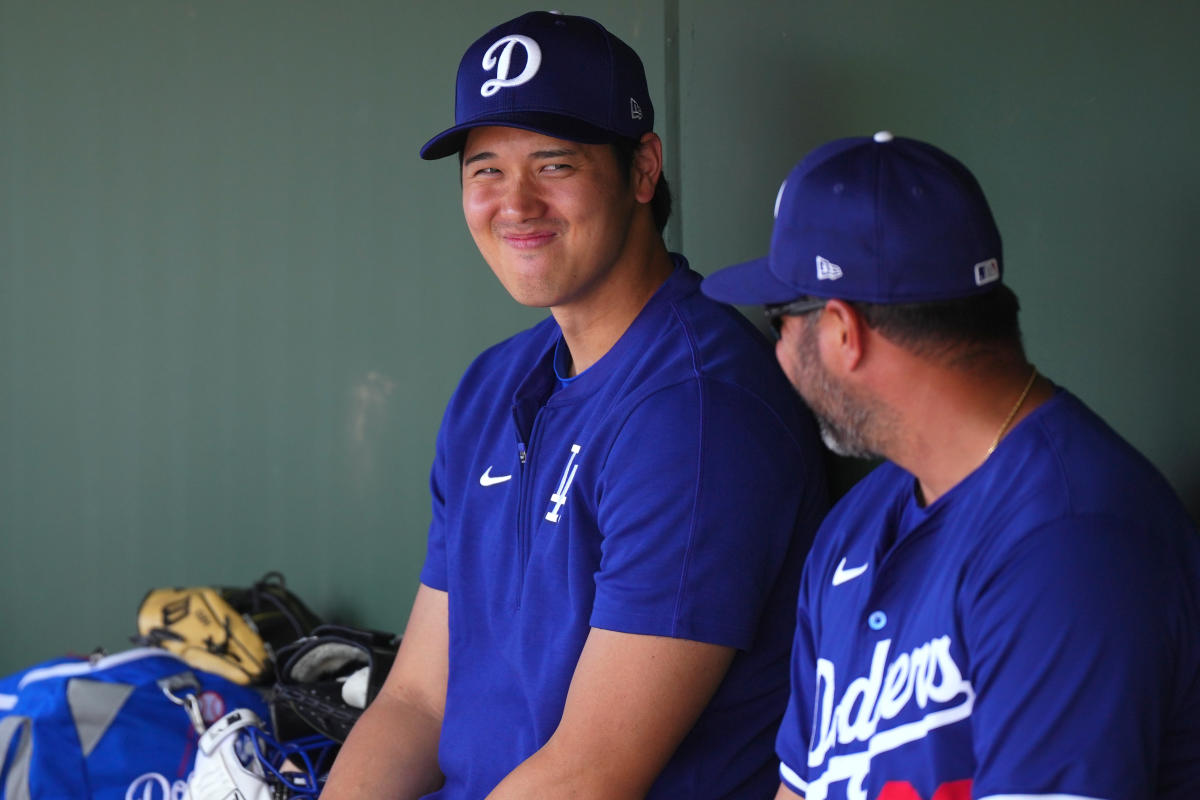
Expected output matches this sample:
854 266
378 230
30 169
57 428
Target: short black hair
660 204
962 330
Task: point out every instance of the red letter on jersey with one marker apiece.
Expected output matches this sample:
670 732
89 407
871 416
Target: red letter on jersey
903 790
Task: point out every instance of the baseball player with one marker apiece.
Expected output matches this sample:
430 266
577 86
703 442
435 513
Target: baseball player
1008 607
622 495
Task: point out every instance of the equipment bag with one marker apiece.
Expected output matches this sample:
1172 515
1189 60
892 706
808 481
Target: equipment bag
75 729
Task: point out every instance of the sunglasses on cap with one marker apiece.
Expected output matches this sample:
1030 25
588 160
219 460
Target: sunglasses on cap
805 305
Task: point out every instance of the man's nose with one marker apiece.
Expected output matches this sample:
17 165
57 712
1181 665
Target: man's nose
522 200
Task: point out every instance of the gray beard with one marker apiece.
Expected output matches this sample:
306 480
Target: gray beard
845 425
847 442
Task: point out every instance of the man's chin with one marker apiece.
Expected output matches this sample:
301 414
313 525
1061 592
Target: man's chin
836 442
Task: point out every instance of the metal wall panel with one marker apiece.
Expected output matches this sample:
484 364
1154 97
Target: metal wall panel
233 302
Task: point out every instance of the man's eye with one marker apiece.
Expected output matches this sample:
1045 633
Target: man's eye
556 167
487 171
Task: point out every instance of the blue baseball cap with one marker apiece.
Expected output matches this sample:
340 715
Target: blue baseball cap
551 73
880 219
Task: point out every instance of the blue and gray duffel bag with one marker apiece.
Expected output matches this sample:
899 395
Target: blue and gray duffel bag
74 729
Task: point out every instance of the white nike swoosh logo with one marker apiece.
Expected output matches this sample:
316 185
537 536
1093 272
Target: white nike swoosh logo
487 479
841 574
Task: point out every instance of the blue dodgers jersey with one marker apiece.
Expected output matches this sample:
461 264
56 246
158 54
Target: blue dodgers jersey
671 489
1031 634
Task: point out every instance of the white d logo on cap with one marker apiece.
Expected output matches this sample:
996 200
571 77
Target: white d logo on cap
779 197
533 60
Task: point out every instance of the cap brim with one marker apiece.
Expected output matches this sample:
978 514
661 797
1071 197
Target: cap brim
451 140
750 283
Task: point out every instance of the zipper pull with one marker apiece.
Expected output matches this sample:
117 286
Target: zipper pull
521 452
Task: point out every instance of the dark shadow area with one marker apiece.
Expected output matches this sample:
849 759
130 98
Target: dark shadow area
845 472
1191 501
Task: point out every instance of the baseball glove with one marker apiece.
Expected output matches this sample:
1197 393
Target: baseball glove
328 678
232 632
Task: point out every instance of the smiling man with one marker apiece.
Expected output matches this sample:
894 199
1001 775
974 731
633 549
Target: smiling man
623 495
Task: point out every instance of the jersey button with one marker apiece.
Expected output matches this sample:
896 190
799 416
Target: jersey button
877 620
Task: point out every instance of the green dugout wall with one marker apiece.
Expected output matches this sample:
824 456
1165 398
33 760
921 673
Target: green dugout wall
233 301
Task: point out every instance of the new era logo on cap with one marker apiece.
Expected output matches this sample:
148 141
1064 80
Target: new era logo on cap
827 270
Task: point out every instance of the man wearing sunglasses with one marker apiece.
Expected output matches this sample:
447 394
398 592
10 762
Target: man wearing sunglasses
1009 607
622 495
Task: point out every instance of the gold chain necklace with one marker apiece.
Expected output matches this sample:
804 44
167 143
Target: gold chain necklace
1013 413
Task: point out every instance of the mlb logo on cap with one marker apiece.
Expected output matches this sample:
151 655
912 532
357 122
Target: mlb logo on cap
878 219
551 73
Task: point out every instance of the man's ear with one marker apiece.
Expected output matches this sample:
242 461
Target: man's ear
647 167
843 336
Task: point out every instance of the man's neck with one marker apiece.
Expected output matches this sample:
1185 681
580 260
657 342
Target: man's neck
591 328
951 417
